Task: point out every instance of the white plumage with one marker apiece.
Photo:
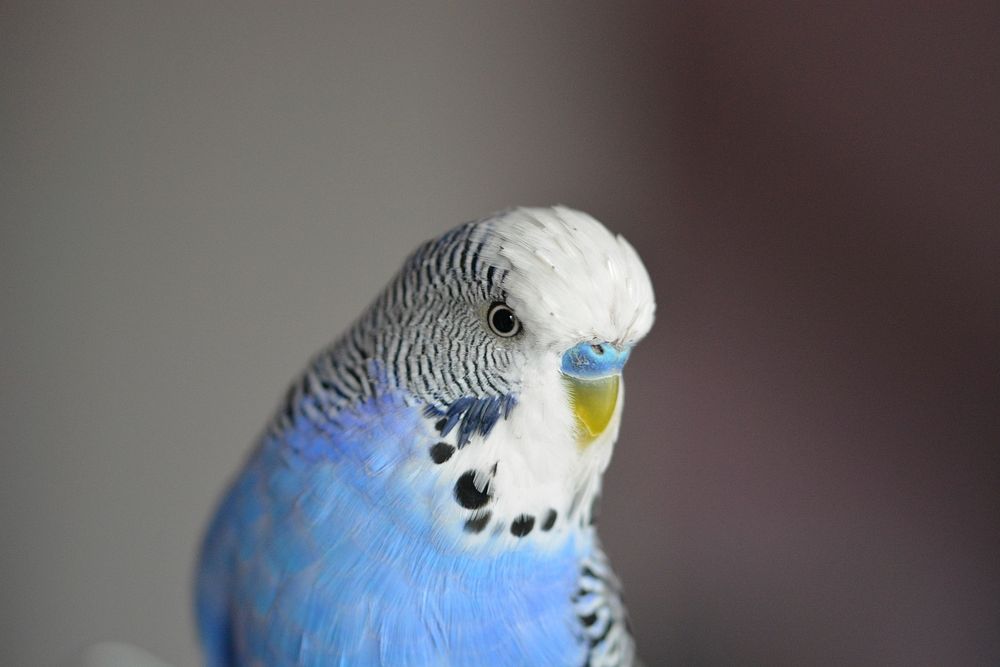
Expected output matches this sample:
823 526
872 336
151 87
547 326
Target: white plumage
570 280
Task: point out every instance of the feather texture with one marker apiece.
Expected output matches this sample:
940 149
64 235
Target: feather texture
420 497
332 557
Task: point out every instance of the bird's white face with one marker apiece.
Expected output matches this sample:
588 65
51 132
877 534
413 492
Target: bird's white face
584 299
576 300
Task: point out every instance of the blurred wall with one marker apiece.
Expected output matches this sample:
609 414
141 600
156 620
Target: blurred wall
196 197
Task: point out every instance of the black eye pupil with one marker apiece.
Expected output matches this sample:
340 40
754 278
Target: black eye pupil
503 320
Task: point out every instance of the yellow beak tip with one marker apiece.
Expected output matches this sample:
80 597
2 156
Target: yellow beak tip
593 402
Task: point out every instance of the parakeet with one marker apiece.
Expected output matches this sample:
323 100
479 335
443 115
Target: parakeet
425 493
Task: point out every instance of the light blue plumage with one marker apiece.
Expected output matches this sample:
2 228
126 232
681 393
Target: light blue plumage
424 495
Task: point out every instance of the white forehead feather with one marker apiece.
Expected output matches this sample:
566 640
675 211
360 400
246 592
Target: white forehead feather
570 279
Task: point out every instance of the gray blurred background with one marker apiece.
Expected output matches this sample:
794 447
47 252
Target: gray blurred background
196 197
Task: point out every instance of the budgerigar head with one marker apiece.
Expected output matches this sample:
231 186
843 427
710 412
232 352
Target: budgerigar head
511 334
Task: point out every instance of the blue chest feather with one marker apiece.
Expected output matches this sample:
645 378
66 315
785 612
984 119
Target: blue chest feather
326 552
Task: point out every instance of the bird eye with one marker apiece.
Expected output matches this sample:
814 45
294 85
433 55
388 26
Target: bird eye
503 321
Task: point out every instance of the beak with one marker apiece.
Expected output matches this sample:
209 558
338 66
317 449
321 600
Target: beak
592 375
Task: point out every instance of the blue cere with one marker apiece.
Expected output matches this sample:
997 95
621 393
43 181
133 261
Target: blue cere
594 360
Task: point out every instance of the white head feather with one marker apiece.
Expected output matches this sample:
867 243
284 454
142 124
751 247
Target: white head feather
569 280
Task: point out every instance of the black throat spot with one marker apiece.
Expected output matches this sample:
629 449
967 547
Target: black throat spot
466 493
